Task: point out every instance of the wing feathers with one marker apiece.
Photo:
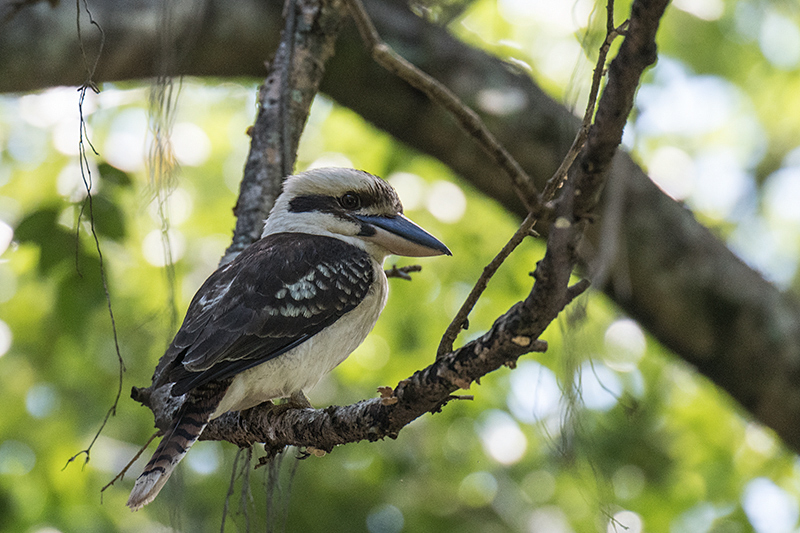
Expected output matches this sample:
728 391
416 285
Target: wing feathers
276 294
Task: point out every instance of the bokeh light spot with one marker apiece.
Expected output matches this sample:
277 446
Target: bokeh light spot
410 187
535 394
779 40
331 159
159 253
478 489
600 387
41 400
625 521
6 236
446 201
502 102
16 458
502 438
385 519
125 145
673 171
190 144
177 207
625 345
205 457
769 508
550 519
702 9
5 338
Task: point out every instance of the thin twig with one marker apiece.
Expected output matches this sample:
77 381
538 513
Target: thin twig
402 272
86 176
552 186
455 327
385 56
555 182
127 467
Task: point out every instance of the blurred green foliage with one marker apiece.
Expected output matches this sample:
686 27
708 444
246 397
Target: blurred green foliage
605 424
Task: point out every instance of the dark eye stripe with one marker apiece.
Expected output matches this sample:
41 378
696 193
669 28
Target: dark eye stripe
314 202
328 204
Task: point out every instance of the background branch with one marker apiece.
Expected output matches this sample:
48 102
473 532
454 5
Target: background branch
440 95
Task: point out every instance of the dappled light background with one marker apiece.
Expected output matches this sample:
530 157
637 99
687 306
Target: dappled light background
604 432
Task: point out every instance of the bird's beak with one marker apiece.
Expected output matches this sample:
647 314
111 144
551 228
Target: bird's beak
402 237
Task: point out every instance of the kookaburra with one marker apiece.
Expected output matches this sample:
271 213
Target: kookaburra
288 309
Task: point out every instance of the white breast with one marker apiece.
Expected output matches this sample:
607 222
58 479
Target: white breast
302 367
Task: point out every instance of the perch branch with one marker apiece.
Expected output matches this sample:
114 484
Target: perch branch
512 335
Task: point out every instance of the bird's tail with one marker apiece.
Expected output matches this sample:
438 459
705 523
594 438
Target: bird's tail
182 433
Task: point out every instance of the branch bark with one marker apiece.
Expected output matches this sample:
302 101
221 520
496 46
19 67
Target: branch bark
656 261
307 42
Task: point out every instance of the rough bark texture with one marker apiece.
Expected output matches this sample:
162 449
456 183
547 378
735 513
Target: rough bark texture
284 102
648 253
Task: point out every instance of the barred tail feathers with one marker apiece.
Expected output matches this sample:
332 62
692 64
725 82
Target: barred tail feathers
180 436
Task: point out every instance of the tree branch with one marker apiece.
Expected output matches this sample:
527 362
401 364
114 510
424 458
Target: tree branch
637 52
466 118
284 101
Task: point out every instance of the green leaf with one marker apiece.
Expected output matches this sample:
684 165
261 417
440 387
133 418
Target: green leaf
109 220
79 293
111 174
56 244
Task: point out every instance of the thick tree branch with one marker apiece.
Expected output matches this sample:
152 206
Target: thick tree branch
637 52
284 101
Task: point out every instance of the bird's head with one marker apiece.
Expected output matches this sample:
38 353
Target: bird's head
351 205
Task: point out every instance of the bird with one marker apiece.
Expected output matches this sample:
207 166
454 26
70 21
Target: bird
287 310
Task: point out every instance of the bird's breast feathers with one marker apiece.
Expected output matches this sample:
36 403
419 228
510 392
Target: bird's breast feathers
302 367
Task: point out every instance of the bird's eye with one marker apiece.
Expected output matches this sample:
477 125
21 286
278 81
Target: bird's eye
350 200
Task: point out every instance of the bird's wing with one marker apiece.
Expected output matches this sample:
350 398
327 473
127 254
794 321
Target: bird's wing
276 294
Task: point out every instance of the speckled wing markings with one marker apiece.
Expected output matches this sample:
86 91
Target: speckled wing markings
275 295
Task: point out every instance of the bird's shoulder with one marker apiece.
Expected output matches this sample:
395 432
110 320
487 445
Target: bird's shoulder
284 275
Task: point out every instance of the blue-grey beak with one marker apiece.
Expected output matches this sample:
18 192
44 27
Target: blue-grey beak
402 237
